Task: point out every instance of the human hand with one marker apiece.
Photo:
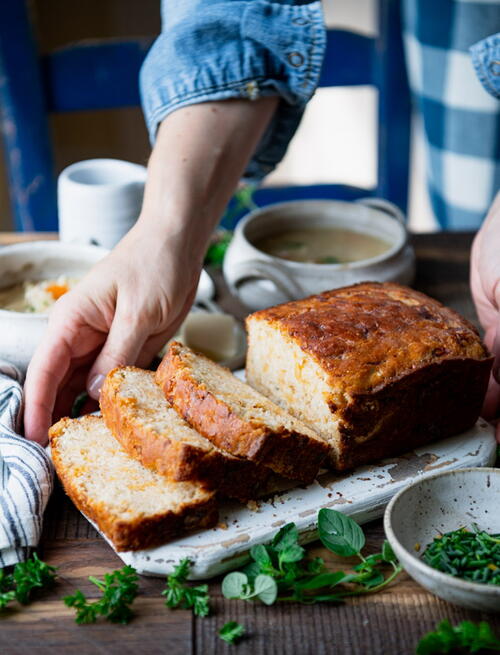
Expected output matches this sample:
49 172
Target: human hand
122 312
485 286
127 307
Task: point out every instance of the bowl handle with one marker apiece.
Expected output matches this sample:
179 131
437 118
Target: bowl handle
258 269
384 205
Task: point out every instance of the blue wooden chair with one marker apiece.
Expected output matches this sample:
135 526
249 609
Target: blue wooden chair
104 74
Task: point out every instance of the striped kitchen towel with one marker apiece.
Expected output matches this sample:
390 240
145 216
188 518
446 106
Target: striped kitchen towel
26 475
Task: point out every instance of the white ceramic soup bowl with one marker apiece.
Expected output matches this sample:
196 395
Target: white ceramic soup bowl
261 280
440 503
20 332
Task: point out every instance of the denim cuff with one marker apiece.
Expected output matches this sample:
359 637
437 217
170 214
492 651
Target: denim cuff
486 60
237 49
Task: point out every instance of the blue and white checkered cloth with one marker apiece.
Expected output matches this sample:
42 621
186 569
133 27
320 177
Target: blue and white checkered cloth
446 42
26 476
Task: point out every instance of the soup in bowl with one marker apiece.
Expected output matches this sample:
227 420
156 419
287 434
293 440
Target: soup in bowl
33 276
290 250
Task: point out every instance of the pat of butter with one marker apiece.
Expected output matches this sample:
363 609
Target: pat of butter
212 334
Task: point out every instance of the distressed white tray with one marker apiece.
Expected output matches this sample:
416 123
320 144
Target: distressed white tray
362 494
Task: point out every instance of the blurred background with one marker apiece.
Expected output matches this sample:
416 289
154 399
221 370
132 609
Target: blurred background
334 144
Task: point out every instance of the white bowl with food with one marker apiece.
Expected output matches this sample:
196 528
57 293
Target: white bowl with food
290 250
463 502
33 276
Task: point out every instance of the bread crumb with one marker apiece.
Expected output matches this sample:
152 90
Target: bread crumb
253 506
222 526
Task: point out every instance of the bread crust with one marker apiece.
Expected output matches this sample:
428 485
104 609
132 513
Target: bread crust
386 330
404 370
286 452
141 533
176 460
432 403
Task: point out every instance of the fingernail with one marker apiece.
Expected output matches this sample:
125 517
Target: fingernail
95 386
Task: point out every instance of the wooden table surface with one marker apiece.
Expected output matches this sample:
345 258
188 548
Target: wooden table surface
387 623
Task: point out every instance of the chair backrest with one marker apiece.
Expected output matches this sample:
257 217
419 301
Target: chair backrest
104 74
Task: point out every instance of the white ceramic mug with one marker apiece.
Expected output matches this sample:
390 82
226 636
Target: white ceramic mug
99 200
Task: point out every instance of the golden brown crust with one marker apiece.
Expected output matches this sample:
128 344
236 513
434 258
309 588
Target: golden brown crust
176 460
431 403
388 330
286 452
136 534
404 370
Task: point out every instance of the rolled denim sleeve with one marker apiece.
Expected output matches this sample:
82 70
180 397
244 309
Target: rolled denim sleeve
486 60
213 50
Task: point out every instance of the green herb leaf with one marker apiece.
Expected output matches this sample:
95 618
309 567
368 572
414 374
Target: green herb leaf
292 554
118 589
217 250
179 594
280 572
324 580
466 635
339 533
286 537
26 579
262 557
266 589
231 632
387 553
6 581
251 570
235 585
6 597
369 578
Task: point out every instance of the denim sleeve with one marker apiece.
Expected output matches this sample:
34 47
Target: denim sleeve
212 50
486 60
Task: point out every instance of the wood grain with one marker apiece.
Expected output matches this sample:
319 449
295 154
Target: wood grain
388 623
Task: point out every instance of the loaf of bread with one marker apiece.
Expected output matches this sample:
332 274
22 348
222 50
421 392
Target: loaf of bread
236 418
137 413
133 506
375 369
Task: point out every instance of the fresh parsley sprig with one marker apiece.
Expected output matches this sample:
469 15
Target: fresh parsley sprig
119 590
231 632
281 572
179 594
466 637
25 580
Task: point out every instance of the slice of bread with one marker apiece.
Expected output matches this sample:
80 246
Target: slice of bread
235 417
136 411
134 507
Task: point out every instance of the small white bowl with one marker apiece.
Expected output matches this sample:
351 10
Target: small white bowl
442 503
21 332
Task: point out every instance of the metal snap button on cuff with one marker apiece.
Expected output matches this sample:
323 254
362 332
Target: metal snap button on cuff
495 67
296 59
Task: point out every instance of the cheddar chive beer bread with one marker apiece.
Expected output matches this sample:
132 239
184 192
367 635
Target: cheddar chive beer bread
346 377
134 507
375 369
236 418
135 410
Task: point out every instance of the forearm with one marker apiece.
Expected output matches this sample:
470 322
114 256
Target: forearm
199 156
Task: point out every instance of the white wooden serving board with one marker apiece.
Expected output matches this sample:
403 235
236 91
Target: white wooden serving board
362 494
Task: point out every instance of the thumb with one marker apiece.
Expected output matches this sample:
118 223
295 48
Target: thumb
122 347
